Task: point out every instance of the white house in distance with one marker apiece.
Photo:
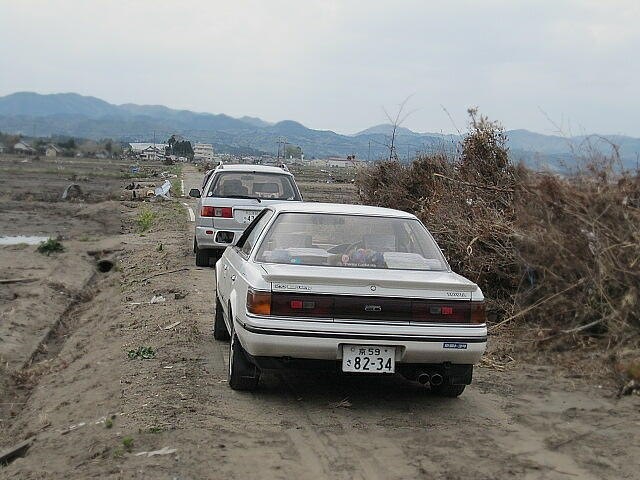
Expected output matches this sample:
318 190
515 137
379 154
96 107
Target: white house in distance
149 151
24 147
52 150
339 162
203 152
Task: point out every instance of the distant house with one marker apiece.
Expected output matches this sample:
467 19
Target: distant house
24 148
149 151
338 162
203 152
2 148
52 150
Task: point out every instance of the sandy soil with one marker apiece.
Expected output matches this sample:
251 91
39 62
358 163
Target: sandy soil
93 410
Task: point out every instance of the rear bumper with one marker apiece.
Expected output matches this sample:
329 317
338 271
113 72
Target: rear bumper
206 237
266 337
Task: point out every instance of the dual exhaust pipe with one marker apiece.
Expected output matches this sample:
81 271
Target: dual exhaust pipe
433 379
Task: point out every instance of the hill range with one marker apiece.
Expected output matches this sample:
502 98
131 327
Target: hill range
70 114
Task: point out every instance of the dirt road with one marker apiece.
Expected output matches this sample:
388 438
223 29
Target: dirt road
93 410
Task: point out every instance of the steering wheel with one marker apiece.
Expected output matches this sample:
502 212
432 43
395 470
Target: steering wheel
353 247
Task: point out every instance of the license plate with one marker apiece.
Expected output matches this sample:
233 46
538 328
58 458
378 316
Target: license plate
247 216
368 359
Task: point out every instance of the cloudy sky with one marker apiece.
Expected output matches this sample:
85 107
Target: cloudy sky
335 64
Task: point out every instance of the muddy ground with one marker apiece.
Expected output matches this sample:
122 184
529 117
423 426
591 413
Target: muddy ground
70 384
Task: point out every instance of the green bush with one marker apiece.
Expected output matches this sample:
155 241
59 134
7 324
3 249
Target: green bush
50 246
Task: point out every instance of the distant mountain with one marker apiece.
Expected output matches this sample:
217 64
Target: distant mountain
256 122
89 117
386 129
33 104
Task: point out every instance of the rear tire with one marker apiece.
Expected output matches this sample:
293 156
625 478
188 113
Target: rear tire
243 375
202 257
220 331
214 256
450 391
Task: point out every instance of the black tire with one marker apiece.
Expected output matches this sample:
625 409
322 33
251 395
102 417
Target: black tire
202 257
220 331
450 391
214 256
243 375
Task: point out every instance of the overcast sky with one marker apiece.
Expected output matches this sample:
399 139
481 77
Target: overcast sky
335 64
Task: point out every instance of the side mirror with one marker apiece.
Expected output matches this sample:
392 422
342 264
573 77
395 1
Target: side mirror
194 192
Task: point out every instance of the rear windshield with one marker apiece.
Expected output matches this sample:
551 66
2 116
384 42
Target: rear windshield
268 186
350 241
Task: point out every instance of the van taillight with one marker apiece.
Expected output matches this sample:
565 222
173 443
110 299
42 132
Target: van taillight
478 312
222 212
259 303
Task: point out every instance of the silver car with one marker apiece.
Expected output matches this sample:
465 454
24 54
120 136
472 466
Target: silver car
231 197
363 290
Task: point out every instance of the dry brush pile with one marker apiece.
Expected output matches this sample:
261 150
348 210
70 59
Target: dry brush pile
558 253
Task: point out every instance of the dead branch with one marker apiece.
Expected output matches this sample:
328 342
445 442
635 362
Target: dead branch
475 185
536 305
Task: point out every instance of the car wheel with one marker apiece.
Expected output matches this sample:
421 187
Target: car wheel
220 331
202 257
215 255
451 391
243 375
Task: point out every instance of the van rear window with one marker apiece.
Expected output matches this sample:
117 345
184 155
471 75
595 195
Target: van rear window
265 186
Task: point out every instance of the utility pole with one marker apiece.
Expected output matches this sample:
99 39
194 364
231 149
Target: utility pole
369 154
282 141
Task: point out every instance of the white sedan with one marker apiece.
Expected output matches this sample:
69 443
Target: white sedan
364 290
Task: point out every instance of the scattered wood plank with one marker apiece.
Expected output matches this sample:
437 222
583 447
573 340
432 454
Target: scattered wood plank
15 451
164 273
174 324
6 281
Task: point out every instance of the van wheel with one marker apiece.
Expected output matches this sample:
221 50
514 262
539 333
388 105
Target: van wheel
451 391
243 375
220 331
202 257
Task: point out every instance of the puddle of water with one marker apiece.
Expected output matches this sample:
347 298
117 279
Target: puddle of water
18 239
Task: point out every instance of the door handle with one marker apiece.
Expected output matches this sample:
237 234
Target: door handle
233 278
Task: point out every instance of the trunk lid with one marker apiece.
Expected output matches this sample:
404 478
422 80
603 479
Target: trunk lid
368 282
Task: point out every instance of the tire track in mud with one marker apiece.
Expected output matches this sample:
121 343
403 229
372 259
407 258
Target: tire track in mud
323 448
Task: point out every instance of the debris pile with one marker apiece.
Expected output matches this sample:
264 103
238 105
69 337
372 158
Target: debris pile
559 252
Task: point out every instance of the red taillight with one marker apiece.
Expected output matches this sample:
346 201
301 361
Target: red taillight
222 212
438 312
478 312
302 305
259 303
291 305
